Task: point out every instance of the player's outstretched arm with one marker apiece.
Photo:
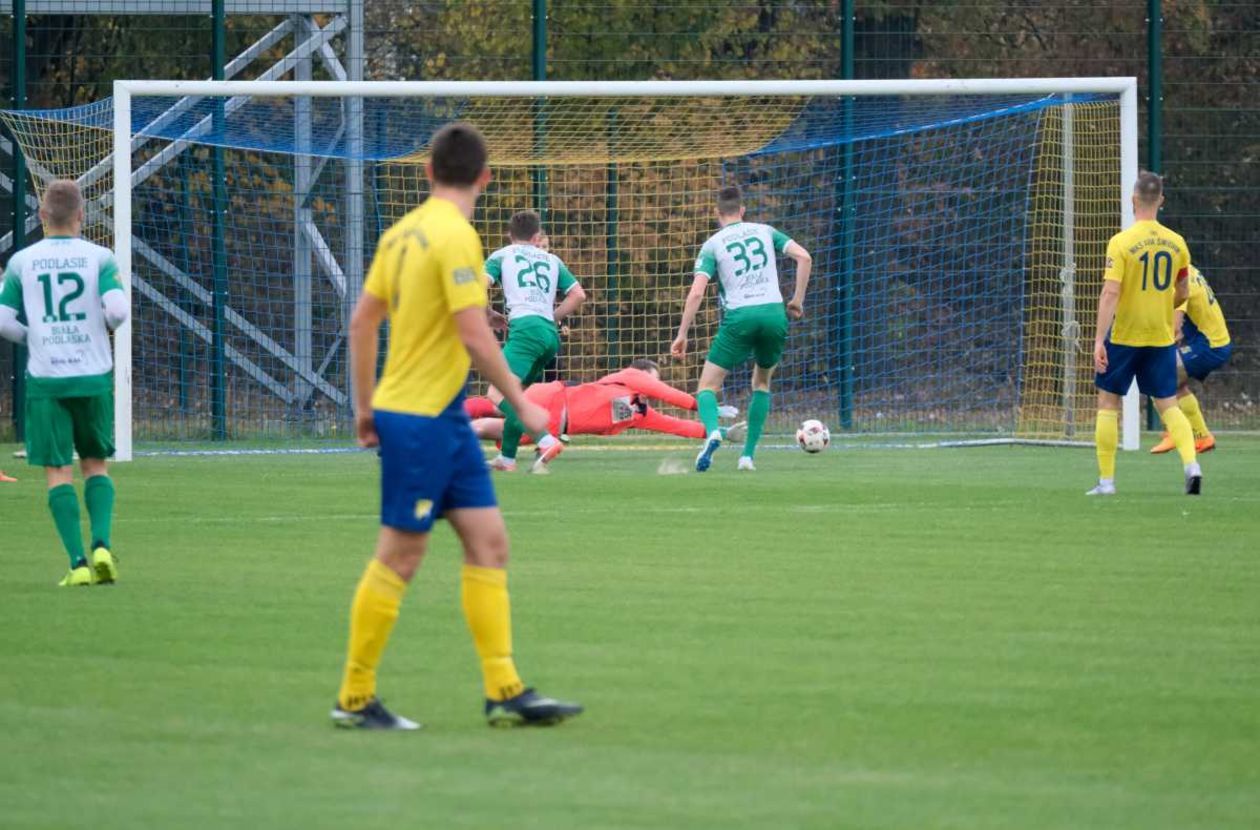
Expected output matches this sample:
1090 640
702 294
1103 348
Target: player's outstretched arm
804 265
690 308
658 390
654 421
365 327
483 348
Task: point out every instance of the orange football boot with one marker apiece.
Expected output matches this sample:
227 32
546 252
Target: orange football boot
1205 444
1166 444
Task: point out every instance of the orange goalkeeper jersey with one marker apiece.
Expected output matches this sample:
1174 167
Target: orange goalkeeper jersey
609 406
618 402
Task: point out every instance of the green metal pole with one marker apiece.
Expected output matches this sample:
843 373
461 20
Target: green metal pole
844 279
540 115
1154 119
218 356
18 74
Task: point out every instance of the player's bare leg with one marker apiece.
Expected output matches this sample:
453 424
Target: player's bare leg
488 429
711 379
372 616
1183 436
487 609
758 411
1106 441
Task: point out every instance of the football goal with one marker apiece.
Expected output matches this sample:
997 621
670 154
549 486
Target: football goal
958 230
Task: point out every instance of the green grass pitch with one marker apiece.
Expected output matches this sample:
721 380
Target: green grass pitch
868 638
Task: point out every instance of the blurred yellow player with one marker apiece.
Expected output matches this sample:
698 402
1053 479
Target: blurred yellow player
1205 347
426 279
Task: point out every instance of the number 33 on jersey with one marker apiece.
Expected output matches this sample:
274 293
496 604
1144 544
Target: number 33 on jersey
1147 260
742 258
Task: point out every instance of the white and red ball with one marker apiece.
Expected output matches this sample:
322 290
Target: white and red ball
813 436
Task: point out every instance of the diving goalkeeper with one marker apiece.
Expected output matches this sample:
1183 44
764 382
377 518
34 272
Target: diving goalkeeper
609 406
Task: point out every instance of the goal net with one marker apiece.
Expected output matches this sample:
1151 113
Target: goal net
958 232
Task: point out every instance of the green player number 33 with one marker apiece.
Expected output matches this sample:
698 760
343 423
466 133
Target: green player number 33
739 251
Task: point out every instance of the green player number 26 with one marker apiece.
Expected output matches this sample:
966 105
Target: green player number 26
64 314
541 271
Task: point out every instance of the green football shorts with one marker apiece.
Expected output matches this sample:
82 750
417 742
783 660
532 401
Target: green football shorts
758 330
532 344
56 427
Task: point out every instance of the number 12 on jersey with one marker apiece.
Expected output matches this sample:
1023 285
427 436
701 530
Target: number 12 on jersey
63 315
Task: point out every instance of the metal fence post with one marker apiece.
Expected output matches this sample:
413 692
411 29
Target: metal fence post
539 65
218 359
844 279
18 76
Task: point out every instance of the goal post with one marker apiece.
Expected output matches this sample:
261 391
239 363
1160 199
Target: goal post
652 159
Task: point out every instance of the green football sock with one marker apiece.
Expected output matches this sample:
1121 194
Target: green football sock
98 494
706 403
64 506
513 429
758 409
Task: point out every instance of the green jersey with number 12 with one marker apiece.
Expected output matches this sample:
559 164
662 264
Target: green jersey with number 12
57 284
743 257
530 278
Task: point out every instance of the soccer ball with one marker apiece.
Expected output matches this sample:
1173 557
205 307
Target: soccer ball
813 436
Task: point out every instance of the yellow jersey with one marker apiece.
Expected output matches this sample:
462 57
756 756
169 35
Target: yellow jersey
427 267
1147 260
1204 312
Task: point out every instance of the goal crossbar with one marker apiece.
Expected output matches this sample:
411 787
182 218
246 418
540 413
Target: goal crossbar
650 89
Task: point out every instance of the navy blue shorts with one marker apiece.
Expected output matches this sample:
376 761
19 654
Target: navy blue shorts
1200 359
429 465
1155 368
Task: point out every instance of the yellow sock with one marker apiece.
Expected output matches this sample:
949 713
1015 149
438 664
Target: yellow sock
489 614
372 617
1190 407
1179 428
1106 439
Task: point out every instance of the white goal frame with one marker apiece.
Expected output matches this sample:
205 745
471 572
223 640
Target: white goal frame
124 91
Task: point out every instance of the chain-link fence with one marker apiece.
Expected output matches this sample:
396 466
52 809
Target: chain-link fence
1208 56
